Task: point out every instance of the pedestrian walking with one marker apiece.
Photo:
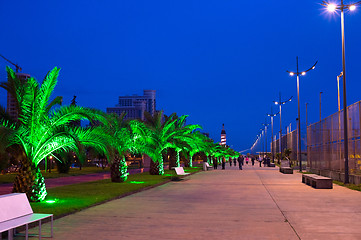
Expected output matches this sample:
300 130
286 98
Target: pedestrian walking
240 162
230 161
247 160
223 163
252 160
214 162
235 161
260 161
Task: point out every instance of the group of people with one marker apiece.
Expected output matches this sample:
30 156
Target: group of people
241 160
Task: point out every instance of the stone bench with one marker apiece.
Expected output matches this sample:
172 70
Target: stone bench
316 181
272 165
286 170
15 211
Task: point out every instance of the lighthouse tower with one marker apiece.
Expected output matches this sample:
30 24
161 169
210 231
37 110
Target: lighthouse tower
223 136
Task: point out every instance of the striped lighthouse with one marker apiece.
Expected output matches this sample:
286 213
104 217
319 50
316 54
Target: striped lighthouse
223 136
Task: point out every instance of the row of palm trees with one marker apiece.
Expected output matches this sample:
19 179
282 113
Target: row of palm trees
46 128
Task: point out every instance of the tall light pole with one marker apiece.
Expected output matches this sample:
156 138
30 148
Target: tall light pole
265 132
262 141
338 91
332 8
306 116
339 116
298 73
272 147
320 106
280 103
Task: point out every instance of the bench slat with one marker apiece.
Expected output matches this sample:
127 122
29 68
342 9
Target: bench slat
21 221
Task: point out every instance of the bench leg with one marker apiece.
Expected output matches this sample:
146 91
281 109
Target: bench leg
39 229
10 234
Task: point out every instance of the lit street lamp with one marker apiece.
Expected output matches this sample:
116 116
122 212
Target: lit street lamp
280 103
298 73
332 8
272 147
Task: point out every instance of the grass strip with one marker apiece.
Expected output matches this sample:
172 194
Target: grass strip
10 177
349 185
72 198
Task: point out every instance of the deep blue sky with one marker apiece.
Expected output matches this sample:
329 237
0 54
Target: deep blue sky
218 61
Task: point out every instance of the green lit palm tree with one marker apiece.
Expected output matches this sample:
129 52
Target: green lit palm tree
42 130
123 138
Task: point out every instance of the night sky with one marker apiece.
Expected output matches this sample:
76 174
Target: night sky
217 61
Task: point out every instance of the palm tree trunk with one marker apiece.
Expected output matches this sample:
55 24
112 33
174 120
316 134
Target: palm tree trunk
156 166
118 170
172 158
178 158
30 181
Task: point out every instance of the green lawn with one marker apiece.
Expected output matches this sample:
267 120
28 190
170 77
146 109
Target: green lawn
9 177
350 186
72 198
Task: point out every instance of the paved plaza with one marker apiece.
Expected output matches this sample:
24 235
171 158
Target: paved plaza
255 203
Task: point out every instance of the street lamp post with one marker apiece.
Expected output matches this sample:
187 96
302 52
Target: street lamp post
272 147
339 117
298 73
332 8
320 106
338 91
265 132
280 103
262 141
306 116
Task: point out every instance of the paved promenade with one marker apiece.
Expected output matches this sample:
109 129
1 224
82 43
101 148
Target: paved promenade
256 203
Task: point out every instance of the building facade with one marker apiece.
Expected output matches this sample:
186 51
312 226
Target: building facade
134 106
11 107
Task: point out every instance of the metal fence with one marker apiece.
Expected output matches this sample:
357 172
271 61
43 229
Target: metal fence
290 141
325 142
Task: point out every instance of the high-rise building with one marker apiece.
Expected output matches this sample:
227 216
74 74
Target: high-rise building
134 106
223 136
11 107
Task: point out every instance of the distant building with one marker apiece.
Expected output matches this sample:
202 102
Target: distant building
11 101
134 106
223 136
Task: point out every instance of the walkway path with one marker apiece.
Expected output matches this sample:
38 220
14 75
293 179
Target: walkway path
256 203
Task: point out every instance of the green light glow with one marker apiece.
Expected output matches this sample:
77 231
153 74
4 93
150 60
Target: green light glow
50 201
136 182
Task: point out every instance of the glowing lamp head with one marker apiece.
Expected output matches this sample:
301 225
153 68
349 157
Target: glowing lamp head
291 73
303 73
276 103
313 67
352 7
331 7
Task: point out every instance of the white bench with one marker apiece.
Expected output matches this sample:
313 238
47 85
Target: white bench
15 211
206 166
180 171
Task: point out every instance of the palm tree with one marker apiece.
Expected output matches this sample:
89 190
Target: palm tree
42 130
123 137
